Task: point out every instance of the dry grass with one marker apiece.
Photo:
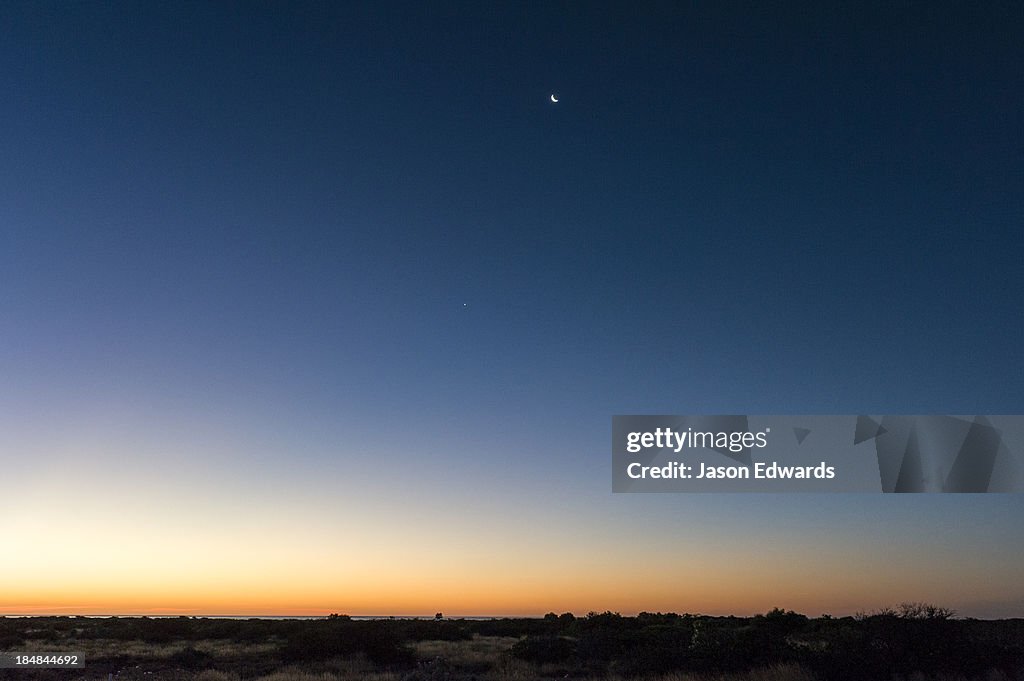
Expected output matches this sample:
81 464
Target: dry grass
104 647
285 674
480 650
485 658
508 668
992 675
773 673
212 675
301 676
293 674
511 669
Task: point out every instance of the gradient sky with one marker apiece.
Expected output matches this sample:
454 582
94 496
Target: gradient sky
312 308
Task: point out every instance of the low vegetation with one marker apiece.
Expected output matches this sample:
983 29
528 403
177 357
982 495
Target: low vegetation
912 642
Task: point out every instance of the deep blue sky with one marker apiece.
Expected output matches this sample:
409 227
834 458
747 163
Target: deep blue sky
303 225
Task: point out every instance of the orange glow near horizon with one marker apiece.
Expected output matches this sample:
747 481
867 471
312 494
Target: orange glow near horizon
221 546
459 594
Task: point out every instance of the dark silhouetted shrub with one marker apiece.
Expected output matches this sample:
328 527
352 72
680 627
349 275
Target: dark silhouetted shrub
191 659
322 639
544 649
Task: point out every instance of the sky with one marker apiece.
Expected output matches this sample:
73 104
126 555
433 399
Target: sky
326 307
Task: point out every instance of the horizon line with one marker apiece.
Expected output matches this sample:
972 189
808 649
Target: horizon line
447 617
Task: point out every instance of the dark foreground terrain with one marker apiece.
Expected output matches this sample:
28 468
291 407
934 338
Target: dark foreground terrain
916 643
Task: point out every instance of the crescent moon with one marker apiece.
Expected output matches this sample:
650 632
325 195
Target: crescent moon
554 99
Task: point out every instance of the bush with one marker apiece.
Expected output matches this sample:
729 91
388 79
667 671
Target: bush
544 649
191 659
10 641
324 639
